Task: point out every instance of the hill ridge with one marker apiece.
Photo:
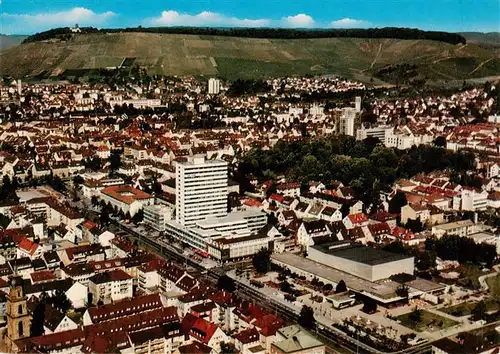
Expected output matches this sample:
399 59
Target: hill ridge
393 60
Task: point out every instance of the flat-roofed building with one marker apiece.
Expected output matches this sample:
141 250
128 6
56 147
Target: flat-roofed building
155 216
362 261
232 236
459 228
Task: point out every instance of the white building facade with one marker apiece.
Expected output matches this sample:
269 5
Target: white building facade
200 190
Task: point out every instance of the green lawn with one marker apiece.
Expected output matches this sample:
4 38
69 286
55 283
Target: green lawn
429 322
463 309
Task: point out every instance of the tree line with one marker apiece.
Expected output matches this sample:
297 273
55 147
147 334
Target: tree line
65 33
367 166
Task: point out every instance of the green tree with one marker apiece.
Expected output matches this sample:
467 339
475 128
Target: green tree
228 348
415 225
369 305
415 316
60 301
425 260
57 184
341 287
306 318
479 311
440 141
77 180
226 283
328 287
38 319
104 218
262 261
114 161
397 202
138 217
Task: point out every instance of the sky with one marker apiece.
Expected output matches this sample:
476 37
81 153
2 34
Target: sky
31 16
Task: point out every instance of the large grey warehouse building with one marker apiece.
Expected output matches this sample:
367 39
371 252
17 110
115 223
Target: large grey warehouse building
362 261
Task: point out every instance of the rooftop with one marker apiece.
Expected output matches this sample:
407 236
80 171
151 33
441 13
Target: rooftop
361 254
297 339
125 194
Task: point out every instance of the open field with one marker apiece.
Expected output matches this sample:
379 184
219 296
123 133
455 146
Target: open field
429 322
175 54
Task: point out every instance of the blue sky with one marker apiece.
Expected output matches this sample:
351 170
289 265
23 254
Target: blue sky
30 16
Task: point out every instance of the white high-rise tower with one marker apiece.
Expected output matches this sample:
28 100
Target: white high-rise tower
358 104
347 120
200 190
213 86
19 87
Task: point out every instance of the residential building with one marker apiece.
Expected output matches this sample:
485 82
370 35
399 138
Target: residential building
414 212
461 228
473 200
379 132
110 286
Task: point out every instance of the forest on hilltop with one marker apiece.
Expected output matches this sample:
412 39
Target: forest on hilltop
65 33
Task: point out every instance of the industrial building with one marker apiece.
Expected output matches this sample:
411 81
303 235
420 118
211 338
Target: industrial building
365 262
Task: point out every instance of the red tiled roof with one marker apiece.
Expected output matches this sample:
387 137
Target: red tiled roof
123 243
42 275
494 196
403 234
100 266
125 194
252 203
136 321
195 348
248 336
107 343
89 225
289 185
203 330
222 297
379 229
111 276
383 216
276 197
90 249
54 341
358 218
125 308
28 246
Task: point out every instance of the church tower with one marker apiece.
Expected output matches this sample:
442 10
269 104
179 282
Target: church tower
18 318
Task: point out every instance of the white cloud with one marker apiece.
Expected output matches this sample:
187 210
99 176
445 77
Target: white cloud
26 23
299 21
349 23
205 18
